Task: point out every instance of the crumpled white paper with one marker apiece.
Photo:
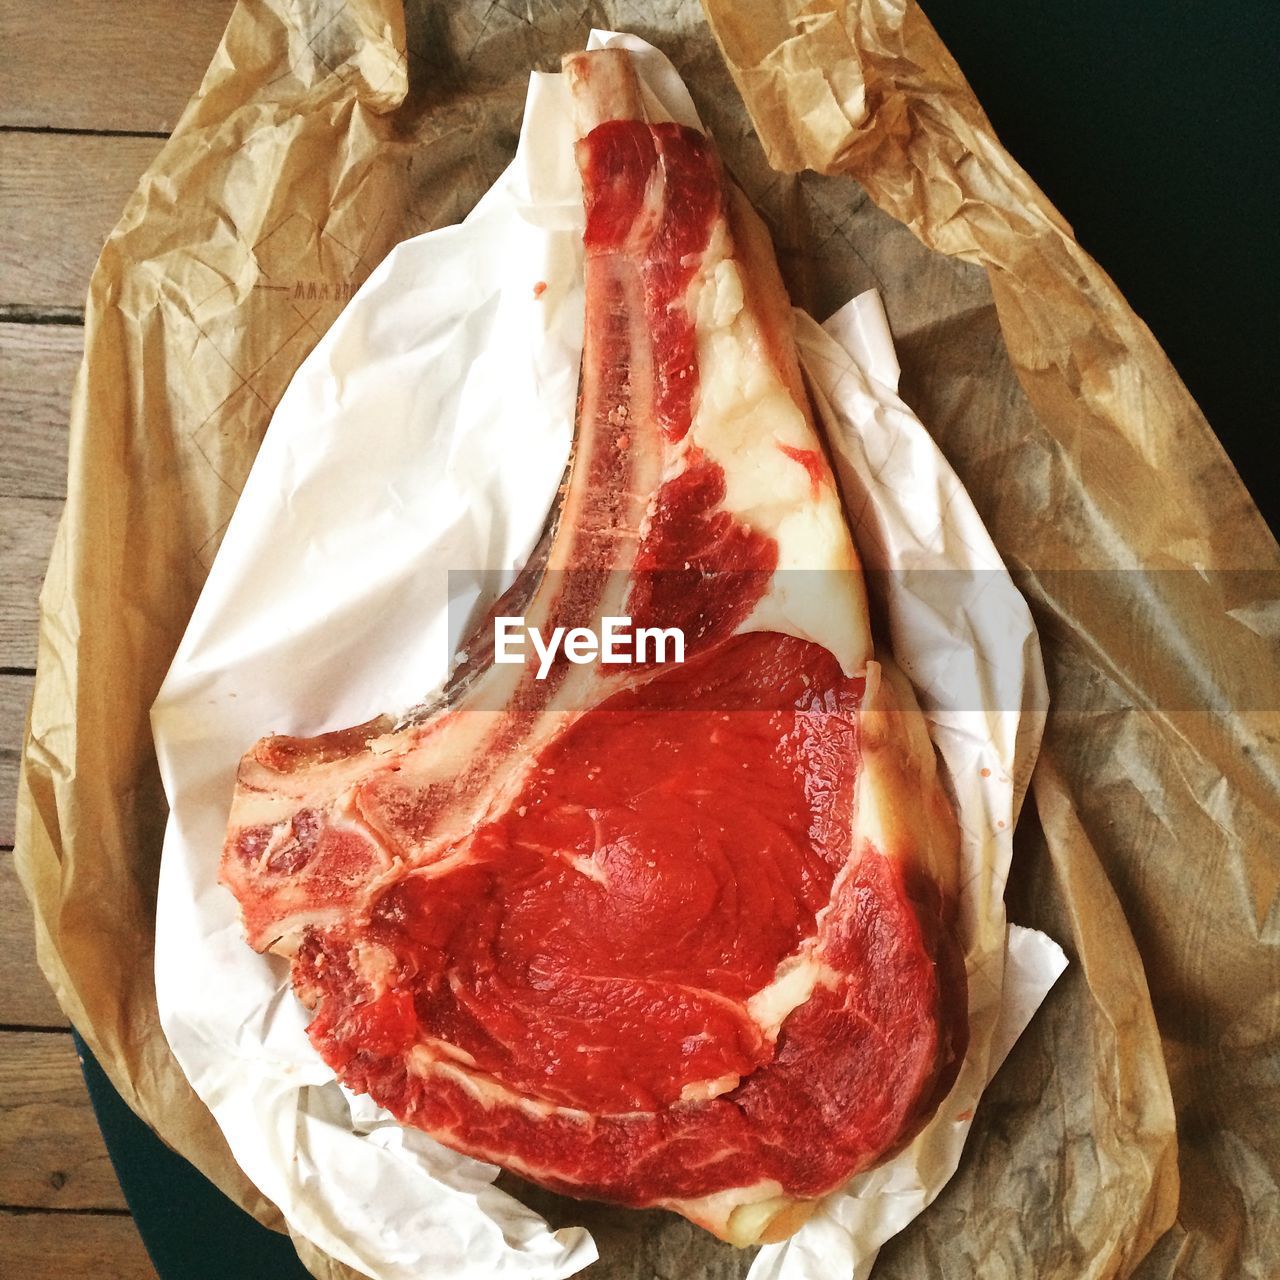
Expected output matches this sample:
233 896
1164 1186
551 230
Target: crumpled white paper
428 432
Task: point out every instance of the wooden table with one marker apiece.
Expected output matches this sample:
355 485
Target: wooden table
90 91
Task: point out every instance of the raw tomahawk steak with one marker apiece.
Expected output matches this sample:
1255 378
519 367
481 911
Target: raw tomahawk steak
674 934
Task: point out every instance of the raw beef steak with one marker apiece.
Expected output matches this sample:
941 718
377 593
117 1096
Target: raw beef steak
662 934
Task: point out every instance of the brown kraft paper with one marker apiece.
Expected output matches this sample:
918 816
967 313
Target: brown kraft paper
323 134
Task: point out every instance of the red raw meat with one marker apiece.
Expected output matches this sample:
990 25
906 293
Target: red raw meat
675 935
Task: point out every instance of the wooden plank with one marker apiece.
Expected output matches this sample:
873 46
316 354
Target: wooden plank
25 997
83 64
27 527
52 1155
15 698
38 364
60 195
55 1246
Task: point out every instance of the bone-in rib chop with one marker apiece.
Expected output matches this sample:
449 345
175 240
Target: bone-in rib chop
675 935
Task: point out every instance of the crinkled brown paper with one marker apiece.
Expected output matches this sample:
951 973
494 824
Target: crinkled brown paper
324 133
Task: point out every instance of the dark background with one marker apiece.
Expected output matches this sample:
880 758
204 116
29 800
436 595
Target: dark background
1152 127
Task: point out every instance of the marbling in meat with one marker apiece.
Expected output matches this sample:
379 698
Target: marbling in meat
677 935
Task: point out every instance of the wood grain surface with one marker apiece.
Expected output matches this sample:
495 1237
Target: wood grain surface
46 1118
60 196
91 89
25 998
72 1246
38 364
91 64
26 534
15 697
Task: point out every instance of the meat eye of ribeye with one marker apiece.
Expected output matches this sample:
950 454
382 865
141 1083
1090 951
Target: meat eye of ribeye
666 933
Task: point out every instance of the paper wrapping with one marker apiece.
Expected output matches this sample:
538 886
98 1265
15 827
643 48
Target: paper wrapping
323 134
419 446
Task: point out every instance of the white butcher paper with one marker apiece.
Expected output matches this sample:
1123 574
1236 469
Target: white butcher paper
428 431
